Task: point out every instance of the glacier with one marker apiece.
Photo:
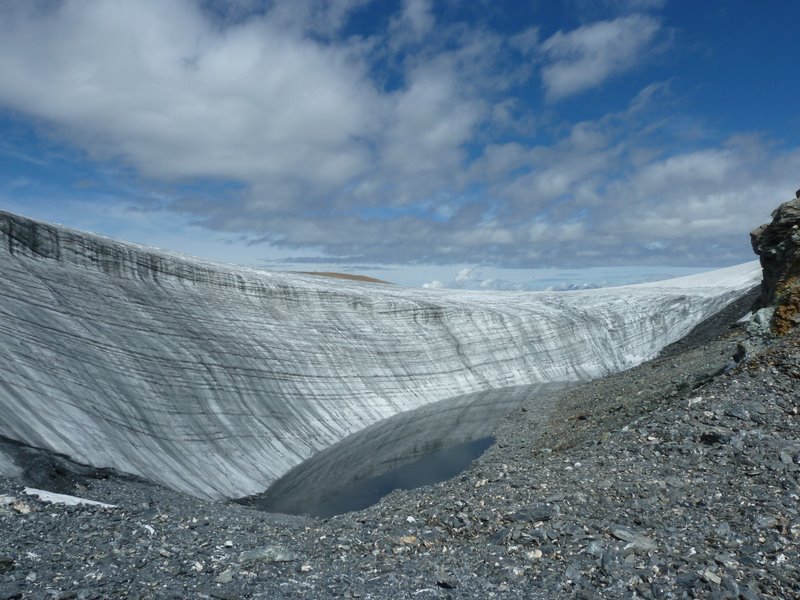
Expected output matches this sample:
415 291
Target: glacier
216 380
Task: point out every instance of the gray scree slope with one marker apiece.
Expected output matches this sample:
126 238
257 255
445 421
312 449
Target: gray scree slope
215 380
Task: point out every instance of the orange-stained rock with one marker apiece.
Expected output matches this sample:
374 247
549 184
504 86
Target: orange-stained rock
778 246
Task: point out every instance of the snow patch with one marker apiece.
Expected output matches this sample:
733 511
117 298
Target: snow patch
46 496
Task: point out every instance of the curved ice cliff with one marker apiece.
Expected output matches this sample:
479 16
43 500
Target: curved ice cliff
215 379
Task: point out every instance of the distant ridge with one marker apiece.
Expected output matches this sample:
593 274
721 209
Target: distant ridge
349 276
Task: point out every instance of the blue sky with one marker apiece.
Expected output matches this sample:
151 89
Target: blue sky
491 144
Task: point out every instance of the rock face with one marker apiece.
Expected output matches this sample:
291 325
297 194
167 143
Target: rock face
778 246
216 380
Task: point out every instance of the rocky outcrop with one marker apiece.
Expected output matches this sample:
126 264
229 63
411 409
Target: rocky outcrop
778 245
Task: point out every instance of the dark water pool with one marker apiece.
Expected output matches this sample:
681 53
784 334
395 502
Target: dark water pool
412 449
427 470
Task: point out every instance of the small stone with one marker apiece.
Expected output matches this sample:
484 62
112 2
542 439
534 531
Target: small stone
6 563
446 585
595 549
687 580
268 554
723 529
610 561
635 540
499 536
765 521
730 586
711 577
534 513
738 412
21 507
225 577
573 572
713 437
228 544
408 539
725 560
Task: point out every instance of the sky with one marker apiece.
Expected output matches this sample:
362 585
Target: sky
440 143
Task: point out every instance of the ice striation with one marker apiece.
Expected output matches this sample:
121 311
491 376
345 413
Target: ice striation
216 380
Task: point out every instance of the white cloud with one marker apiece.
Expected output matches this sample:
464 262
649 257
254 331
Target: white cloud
157 84
498 160
541 231
527 41
414 22
428 124
434 285
467 274
351 148
302 124
699 196
585 57
707 168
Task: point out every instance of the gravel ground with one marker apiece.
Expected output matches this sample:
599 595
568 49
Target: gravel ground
677 479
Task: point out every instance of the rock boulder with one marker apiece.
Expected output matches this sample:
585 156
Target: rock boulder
778 247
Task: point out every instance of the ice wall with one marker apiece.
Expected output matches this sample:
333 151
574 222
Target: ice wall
215 380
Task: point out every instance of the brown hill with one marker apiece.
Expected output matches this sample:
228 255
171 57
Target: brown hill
363 278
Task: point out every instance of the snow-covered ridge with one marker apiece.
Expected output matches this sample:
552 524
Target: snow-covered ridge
215 379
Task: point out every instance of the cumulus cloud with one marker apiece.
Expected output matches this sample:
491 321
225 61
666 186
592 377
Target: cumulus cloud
320 18
505 285
434 285
158 85
693 214
704 168
467 274
429 122
413 23
585 57
256 98
408 144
